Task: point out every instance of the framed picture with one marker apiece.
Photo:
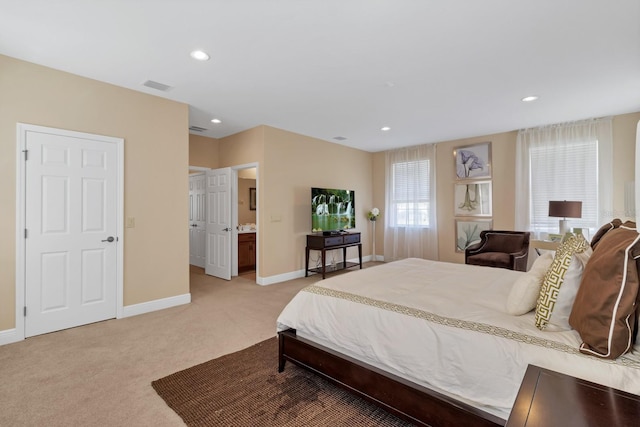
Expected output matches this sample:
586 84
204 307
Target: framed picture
472 199
468 232
555 237
473 161
252 199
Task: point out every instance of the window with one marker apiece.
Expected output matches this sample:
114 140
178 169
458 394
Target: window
568 161
564 172
410 194
410 203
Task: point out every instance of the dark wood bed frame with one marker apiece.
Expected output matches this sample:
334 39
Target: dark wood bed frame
407 400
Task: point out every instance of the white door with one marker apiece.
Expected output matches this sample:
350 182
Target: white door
197 219
218 225
71 224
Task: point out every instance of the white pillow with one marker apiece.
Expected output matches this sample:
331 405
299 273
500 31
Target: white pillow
525 291
559 320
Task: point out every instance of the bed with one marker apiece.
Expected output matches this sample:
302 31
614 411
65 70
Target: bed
433 342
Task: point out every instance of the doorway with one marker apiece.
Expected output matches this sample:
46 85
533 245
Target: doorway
247 220
244 242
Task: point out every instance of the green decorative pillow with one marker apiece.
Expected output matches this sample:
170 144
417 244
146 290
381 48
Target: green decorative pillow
555 276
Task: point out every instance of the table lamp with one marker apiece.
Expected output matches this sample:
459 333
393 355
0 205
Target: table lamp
565 209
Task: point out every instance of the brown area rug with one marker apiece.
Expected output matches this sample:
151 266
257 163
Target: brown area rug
245 389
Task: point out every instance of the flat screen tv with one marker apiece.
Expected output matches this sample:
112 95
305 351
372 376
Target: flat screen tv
332 210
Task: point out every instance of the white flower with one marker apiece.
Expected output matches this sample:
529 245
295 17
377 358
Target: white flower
373 214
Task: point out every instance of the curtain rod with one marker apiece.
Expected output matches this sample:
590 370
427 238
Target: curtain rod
565 124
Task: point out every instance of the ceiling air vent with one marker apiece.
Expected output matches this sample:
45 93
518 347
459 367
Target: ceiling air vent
157 86
197 128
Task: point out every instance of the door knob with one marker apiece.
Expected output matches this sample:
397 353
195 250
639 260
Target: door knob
109 239
226 229
194 225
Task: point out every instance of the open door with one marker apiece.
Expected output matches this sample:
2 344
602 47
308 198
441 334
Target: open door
197 219
218 224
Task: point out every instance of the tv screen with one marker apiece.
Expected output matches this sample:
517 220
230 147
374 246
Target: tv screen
332 209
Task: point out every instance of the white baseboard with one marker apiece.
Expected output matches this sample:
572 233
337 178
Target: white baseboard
9 336
155 305
265 281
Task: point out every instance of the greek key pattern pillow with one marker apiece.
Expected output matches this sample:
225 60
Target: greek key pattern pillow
554 277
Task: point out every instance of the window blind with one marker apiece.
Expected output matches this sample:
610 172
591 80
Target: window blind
411 188
567 171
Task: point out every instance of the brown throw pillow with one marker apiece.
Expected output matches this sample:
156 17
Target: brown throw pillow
604 230
604 311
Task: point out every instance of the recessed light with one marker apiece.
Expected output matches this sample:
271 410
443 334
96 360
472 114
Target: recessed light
385 128
200 55
216 121
529 98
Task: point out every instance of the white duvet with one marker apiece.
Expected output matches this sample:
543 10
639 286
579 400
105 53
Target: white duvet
444 326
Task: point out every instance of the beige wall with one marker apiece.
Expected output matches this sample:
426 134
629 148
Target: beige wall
242 148
203 151
289 164
379 198
156 252
245 215
503 154
293 164
503 147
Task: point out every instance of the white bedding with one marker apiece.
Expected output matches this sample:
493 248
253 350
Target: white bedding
444 326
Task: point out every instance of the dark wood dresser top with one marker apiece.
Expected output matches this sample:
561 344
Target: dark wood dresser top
550 399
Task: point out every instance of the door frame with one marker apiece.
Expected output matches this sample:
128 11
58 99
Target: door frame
234 216
21 188
204 175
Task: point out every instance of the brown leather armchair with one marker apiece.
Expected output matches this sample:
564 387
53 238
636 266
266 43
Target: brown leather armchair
503 249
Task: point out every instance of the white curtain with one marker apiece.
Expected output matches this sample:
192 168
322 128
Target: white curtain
410 209
568 161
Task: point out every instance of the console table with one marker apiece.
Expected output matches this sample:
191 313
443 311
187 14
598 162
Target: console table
322 243
551 399
546 245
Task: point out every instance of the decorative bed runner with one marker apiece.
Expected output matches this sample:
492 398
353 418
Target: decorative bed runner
245 389
462 324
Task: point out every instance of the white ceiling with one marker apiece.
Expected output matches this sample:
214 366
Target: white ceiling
432 70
